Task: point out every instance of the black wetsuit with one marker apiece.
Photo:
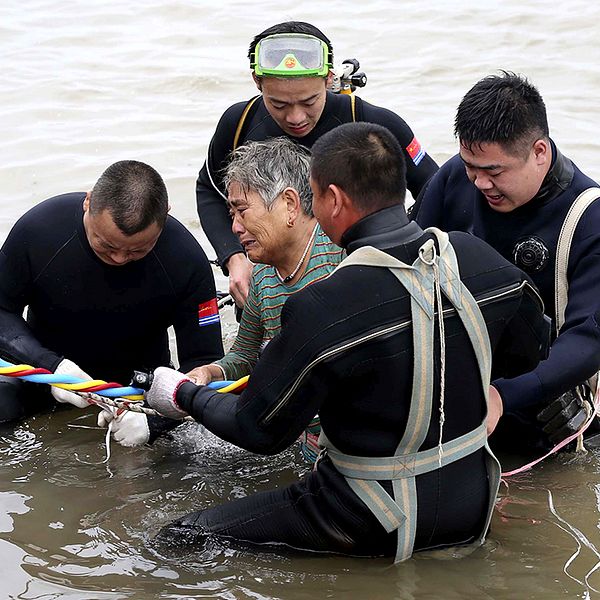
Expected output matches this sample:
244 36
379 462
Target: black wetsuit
259 125
451 202
109 320
362 394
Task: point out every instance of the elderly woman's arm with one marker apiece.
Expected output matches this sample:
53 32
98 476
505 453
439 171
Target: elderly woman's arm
242 357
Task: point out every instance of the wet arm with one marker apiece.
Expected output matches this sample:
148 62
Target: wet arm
18 344
210 192
243 356
574 354
264 419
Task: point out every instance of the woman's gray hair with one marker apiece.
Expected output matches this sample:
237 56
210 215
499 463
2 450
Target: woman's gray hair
270 167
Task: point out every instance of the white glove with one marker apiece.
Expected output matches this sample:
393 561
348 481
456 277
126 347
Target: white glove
162 392
68 367
129 428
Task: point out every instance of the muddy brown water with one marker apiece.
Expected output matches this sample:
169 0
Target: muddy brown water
87 83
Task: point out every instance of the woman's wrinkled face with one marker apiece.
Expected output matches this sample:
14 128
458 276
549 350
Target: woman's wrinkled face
261 231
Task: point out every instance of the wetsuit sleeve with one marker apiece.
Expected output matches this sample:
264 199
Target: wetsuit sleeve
525 339
17 342
242 357
420 167
198 340
575 353
264 419
211 197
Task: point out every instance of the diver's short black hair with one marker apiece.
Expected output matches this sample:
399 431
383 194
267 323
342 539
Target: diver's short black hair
363 159
133 193
505 109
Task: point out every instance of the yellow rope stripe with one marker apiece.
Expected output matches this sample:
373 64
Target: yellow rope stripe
14 369
236 384
80 387
75 387
83 386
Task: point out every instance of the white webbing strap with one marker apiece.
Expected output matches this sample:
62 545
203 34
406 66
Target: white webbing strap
563 249
420 280
561 282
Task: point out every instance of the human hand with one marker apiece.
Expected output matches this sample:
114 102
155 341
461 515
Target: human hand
495 409
68 367
240 272
163 392
205 374
128 428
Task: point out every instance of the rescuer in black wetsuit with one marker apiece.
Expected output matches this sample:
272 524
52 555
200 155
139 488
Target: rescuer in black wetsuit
103 275
294 104
346 351
512 187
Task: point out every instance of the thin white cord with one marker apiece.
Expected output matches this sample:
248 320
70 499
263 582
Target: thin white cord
434 263
579 538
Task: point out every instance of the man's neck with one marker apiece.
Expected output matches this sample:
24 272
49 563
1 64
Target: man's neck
383 229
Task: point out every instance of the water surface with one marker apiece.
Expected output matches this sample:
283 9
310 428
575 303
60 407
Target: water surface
87 83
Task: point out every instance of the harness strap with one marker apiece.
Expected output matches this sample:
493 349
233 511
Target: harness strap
240 125
362 473
362 476
251 102
563 249
384 468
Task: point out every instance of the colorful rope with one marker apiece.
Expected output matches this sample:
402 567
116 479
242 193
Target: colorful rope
97 386
73 384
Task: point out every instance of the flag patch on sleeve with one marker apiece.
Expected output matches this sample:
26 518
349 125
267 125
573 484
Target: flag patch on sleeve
208 313
415 151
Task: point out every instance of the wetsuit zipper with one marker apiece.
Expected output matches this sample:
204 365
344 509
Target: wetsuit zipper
393 329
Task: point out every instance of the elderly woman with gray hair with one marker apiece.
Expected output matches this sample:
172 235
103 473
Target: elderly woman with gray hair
270 202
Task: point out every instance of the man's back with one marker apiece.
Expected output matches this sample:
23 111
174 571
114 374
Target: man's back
346 352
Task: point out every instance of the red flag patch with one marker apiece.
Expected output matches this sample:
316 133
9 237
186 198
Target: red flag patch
208 313
415 151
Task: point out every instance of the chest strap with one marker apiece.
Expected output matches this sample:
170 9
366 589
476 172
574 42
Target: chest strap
563 249
425 280
242 121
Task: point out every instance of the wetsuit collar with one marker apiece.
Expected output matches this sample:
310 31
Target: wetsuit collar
558 178
387 228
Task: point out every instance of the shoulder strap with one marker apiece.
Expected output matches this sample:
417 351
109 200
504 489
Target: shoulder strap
240 125
563 249
353 107
430 275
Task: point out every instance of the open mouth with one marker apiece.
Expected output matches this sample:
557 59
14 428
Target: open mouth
494 199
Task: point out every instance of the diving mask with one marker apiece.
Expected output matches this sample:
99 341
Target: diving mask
291 55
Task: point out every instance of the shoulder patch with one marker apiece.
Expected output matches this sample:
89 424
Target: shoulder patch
415 151
208 313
